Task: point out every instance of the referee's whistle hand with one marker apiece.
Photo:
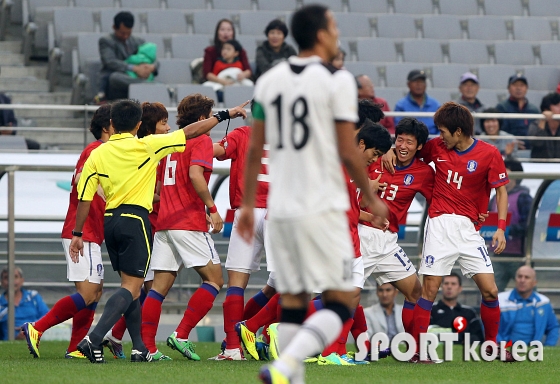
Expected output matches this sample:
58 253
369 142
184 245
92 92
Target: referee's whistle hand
245 225
239 111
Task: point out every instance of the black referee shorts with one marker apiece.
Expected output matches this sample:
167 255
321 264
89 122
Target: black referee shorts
128 236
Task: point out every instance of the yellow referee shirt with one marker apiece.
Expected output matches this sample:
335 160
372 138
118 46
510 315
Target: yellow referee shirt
125 167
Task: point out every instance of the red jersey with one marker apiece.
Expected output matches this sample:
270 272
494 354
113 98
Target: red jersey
155 206
180 206
93 227
220 65
353 213
236 144
401 188
464 179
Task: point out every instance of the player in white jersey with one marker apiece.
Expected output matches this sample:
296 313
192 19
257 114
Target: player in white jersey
307 111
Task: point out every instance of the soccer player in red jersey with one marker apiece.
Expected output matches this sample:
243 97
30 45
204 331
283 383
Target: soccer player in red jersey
88 273
467 170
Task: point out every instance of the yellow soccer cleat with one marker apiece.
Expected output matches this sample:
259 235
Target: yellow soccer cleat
248 339
333 359
270 375
33 337
74 355
273 338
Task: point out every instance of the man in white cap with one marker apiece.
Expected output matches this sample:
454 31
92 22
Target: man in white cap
468 86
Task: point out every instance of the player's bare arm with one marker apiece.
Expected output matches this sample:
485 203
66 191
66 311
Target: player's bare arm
499 238
351 160
246 223
77 244
218 150
201 127
389 161
196 175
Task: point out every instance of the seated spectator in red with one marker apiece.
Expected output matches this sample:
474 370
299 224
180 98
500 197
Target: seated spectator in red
506 144
367 91
275 48
547 127
468 86
228 67
224 32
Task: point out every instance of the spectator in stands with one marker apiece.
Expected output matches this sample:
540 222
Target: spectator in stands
547 127
366 90
417 100
29 305
114 50
468 86
519 203
274 49
448 309
338 61
517 103
8 120
224 32
385 316
526 314
228 67
507 145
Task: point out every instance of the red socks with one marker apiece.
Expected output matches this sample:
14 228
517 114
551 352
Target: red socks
119 328
339 345
80 325
198 306
360 325
421 318
254 305
233 313
490 316
151 312
63 310
408 316
267 315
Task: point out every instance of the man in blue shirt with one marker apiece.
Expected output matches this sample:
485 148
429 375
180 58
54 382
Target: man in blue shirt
526 314
29 305
417 100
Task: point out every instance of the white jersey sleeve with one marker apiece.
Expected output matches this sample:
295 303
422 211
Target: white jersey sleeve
344 105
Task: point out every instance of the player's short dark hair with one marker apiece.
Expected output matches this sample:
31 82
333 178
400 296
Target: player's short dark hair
277 24
152 113
375 136
414 127
513 165
125 114
455 274
101 120
305 24
192 107
367 109
552 98
452 116
235 44
217 42
483 119
125 18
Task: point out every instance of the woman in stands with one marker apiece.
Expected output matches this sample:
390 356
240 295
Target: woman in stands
274 49
224 32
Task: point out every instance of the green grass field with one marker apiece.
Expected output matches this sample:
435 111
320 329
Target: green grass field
18 366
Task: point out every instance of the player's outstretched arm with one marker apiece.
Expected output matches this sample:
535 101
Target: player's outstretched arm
196 175
201 127
77 244
499 238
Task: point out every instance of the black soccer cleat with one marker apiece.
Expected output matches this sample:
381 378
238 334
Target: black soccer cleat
94 354
137 356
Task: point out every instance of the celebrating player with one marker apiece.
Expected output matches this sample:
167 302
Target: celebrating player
309 113
87 274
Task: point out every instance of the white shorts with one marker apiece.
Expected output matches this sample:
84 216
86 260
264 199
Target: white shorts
176 248
383 257
89 267
450 238
149 275
312 253
271 282
358 272
244 256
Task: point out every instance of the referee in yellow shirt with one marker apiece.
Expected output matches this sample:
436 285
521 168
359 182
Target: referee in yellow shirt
125 167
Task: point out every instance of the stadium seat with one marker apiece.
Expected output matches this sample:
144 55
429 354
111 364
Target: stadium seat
205 21
188 89
535 97
422 51
441 94
186 4
414 7
95 4
462 7
166 21
401 26
442 27
395 74
254 23
514 52
250 43
550 53
448 75
334 5
542 77
156 39
237 94
487 28
149 92
531 28
140 4
189 46
503 7
392 95
233 5
378 50
174 71
89 62
468 52
364 68
353 25
275 5
369 6
495 76
543 8
489 97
